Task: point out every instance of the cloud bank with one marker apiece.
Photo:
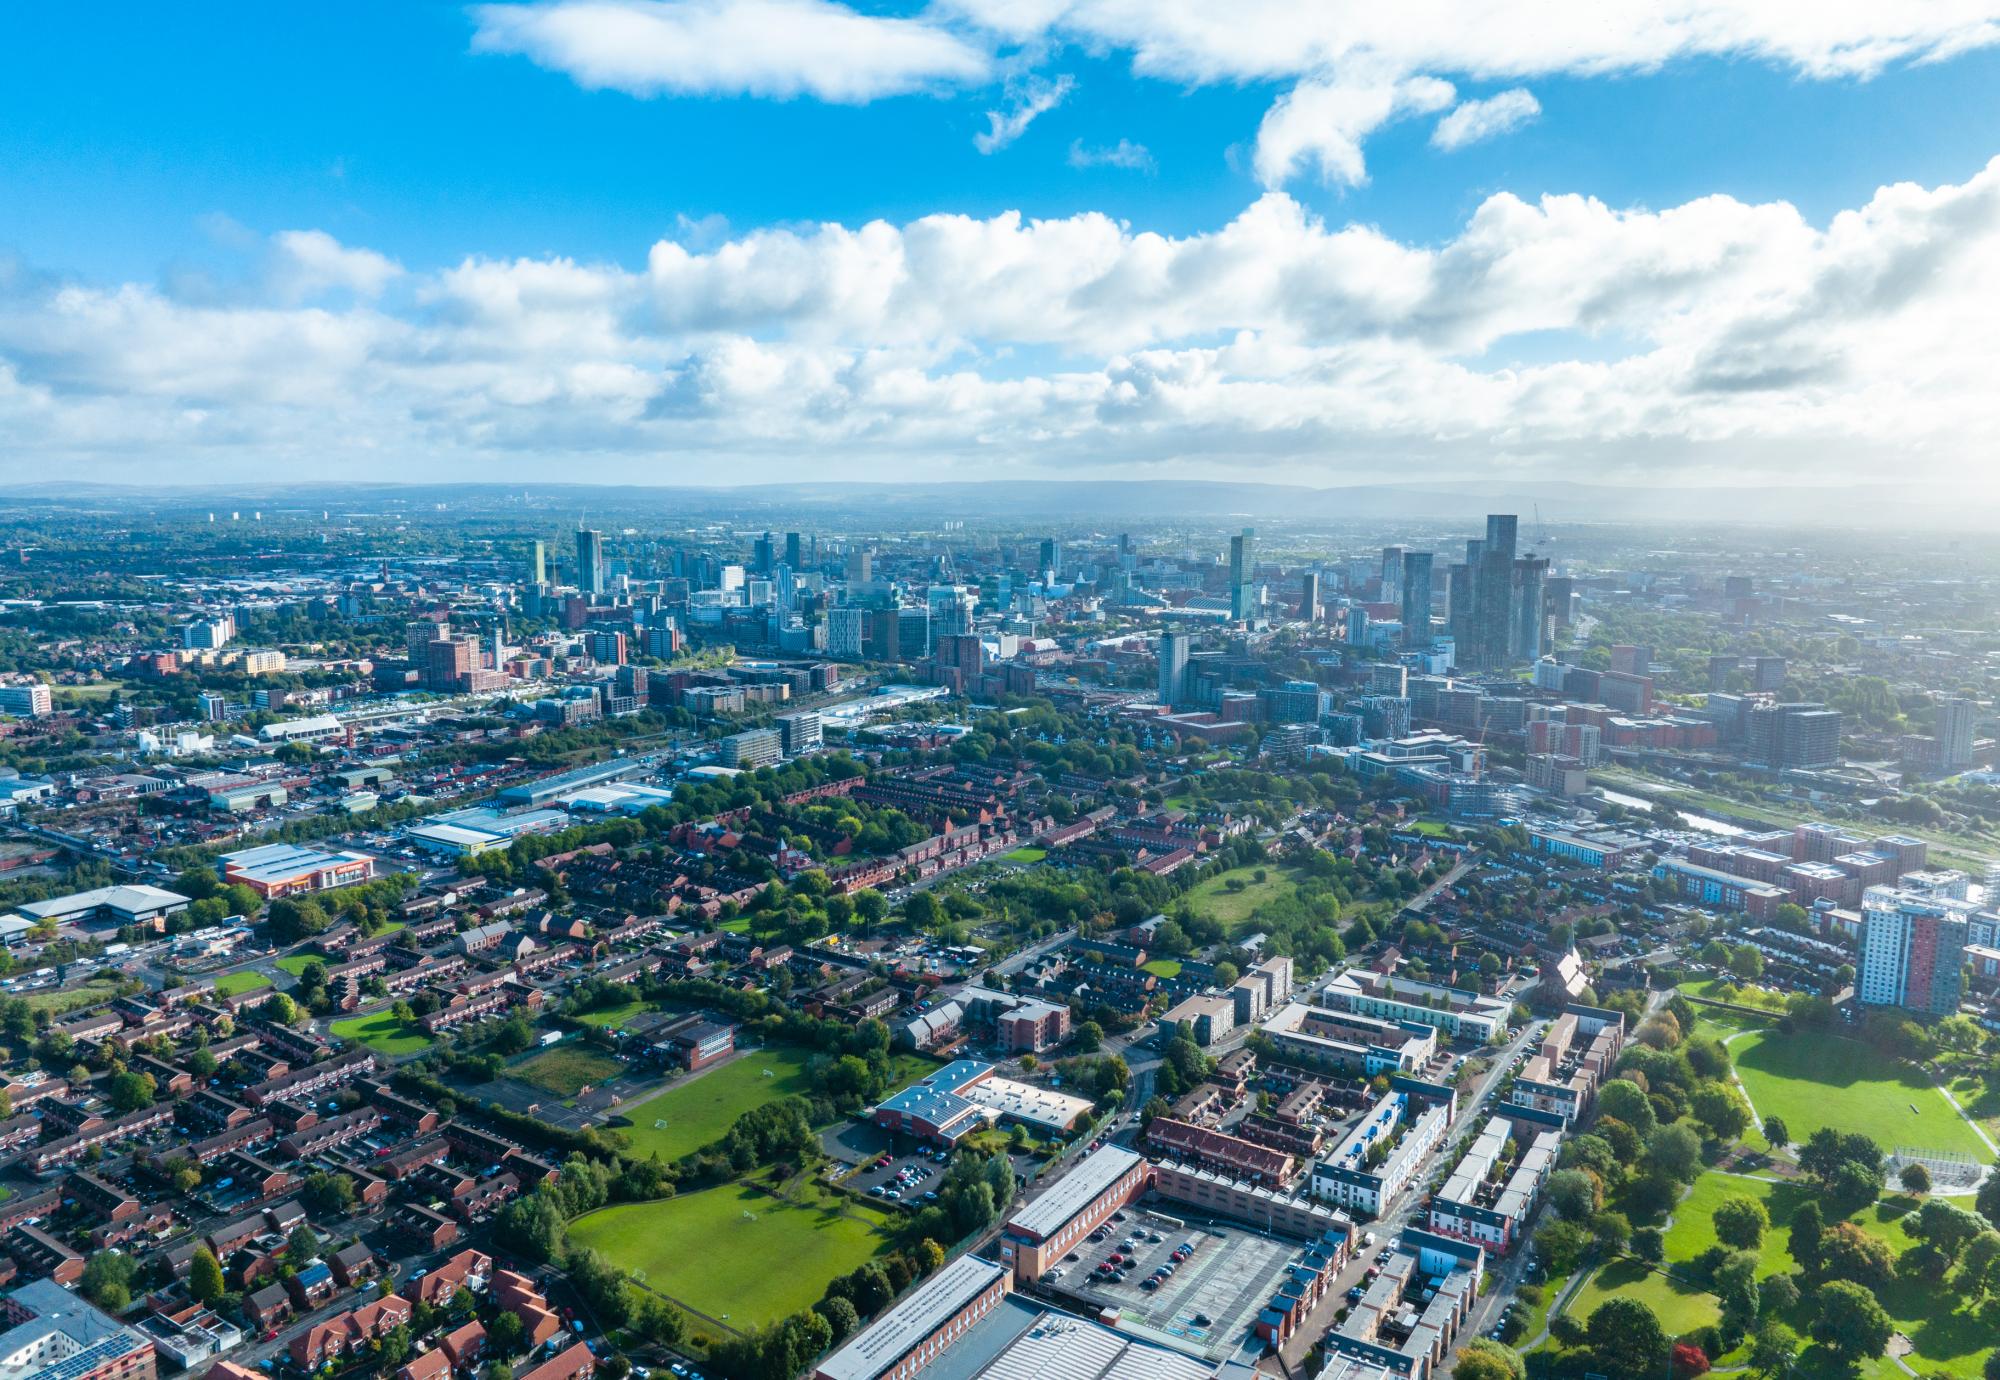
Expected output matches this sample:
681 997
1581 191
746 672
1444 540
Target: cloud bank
1559 338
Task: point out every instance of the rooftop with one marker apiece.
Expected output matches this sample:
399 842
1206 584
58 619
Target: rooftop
1093 1174
882 1343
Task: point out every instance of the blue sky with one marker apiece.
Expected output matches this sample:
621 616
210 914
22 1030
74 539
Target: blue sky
147 153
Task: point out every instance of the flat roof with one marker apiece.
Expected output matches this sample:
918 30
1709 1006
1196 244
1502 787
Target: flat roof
877 1347
132 898
1093 1174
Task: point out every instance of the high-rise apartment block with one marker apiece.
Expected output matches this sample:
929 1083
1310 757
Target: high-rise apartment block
590 561
30 701
1173 667
1242 572
799 732
845 631
1956 719
1416 598
1912 950
1792 737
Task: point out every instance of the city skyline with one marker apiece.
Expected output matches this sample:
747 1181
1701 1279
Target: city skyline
630 242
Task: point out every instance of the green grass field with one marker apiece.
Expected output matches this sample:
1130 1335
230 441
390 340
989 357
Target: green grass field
383 1033
230 984
1025 855
296 963
1681 1307
1431 828
1231 908
59 1002
1813 1079
717 1251
567 1069
699 1109
1164 967
614 1016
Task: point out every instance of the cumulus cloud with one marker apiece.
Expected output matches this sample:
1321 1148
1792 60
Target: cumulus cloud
1322 124
776 48
1123 154
306 263
1716 334
1034 97
1471 121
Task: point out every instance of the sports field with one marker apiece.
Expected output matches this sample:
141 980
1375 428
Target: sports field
383 1033
567 1069
698 1110
1813 1079
229 984
734 1253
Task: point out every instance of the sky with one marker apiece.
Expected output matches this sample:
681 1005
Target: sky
730 241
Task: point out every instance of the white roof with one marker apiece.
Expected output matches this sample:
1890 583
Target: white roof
1093 1174
880 1345
131 899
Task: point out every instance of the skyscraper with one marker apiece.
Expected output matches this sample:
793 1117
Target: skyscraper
1795 736
1242 565
1173 667
538 561
1392 573
860 566
763 554
1501 533
1416 598
590 561
1493 609
1051 557
1529 609
1309 596
794 551
1955 720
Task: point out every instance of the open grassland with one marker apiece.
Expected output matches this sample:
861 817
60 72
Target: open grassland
737 1253
567 1069
1231 908
233 984
1813 1079
383 1033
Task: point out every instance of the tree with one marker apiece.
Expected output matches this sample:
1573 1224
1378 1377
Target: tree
1610 1231
1807 1226
1627 1338
506 1334
839 1314
1649 1244
1719 1109
1735 1283
1979 1265
1573 1193
1777 1135
1624 1100
1484 1359
327 1196
301 1247
1689 1361
1988 1199
1773 1348
1740 1223
107 1280
205 1280
1914 1178
1851 1323
131 1091
1674 1151
1562 1244
1848 1253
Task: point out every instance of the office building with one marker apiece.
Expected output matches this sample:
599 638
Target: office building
1792 737
1956 718
1416 598
590 561
1051 556
1912 950
860 566
30 701
1173 667
794 551
845 631
1309 596
209 633
54 1334
759 747
1242 569
913 634
799 732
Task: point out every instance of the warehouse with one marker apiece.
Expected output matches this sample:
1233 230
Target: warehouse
108 905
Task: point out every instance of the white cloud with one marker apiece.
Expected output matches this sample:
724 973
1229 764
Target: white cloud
1033 98
1322 124
306 263
1123 154
1715 336
776 48
1472 121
